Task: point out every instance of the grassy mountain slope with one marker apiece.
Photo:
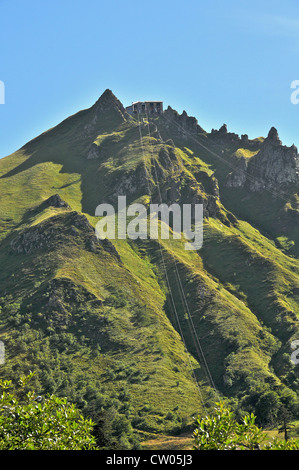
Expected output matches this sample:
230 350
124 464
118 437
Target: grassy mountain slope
100 321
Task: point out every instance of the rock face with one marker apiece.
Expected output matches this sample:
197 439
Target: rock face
67 228
275 164
93 152
56 201
237 178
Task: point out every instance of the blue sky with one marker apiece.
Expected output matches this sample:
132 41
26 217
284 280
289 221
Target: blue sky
222 61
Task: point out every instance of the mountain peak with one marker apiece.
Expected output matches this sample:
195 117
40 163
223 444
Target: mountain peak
273 136
107 105
107 96
223 129
108 101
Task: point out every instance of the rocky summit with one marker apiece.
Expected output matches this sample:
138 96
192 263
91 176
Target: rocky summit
270 167
141 334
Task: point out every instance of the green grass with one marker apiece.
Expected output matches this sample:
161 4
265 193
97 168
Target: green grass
245 153
84 317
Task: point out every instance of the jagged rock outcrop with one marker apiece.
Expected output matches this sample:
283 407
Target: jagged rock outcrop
67 228
56 201
275 164
130 183
222 136
254 144
181 124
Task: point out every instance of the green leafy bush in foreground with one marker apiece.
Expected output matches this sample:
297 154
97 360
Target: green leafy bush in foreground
29 422
221 431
